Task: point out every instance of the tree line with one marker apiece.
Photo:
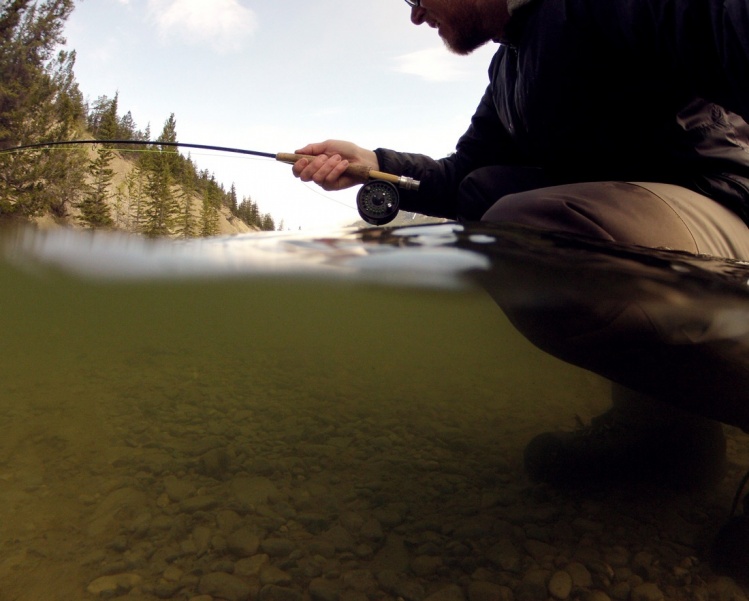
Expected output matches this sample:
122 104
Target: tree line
164 192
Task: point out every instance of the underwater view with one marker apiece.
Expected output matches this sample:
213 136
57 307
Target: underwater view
334 417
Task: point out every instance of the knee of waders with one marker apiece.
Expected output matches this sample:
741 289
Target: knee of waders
481 188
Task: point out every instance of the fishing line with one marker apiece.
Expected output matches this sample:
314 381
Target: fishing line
377 200
311 188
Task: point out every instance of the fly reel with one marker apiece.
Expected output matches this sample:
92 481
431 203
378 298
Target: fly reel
378 202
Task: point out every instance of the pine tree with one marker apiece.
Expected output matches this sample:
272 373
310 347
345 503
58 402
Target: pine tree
187 226
39 101
233 199
29 36
161 207
136 195
209 215
94 208
267 224
128 129
103 120
248 212
170 154
64 172
121 206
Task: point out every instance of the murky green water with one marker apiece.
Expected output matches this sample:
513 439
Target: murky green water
329 418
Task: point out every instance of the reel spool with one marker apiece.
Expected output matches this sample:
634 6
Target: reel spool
378 202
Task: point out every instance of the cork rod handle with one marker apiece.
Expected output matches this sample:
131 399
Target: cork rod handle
360 172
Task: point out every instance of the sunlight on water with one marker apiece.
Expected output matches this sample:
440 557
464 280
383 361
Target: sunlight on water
291 418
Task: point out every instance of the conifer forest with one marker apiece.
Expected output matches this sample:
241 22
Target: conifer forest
160 192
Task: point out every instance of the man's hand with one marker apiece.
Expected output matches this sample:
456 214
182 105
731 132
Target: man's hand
332 158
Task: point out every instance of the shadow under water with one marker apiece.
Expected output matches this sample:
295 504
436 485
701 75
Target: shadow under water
334 417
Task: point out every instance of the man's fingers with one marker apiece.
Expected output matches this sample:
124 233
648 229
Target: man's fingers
340 169
313 149
306 169
299 166
327 173
323 170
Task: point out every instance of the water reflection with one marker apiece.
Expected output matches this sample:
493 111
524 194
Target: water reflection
665 324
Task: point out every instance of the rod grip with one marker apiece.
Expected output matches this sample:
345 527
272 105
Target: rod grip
360 172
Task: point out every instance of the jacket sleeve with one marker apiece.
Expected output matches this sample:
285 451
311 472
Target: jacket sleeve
486 142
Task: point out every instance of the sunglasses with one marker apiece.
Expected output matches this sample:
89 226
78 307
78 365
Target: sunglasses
413 3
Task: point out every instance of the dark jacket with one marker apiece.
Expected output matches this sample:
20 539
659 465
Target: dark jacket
591 90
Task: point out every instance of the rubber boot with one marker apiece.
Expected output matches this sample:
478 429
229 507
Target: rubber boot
639 438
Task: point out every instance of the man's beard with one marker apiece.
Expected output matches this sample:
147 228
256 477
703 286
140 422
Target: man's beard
466 35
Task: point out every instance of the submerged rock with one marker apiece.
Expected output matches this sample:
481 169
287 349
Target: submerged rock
224 586
116 584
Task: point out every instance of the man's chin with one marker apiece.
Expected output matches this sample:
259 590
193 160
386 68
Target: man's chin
461 48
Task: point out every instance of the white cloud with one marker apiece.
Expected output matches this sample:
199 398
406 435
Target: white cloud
432 64
223 24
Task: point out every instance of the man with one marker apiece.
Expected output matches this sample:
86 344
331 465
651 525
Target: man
621 120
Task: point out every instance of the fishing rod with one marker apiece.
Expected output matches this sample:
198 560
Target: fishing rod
377 201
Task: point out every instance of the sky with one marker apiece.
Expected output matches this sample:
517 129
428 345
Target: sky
272 76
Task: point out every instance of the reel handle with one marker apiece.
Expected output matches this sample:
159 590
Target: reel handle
360 172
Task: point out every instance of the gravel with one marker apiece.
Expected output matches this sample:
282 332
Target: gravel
329 502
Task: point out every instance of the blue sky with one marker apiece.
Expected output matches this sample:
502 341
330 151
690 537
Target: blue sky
272 76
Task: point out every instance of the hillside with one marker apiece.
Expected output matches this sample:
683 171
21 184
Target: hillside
123 168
